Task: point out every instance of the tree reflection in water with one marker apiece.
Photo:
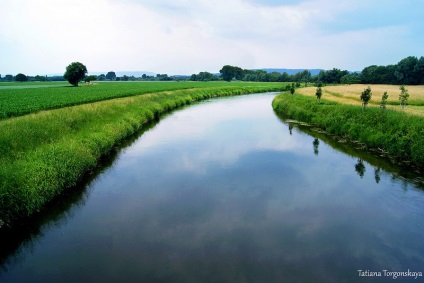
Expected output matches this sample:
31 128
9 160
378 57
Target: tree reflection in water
316 145
377 172
360 168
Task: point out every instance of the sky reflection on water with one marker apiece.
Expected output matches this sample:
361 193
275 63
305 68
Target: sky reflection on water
222 191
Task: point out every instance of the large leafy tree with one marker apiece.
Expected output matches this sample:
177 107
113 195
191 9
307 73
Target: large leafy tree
21 78
229 72
75 72
405 70
332 76
111 76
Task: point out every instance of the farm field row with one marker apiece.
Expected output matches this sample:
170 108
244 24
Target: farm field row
16 100
349 94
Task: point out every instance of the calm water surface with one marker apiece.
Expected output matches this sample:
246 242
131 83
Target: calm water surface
224 191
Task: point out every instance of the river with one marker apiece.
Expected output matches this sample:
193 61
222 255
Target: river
225 191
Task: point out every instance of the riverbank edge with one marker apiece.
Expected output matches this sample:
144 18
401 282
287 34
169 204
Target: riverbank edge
52 151
396 134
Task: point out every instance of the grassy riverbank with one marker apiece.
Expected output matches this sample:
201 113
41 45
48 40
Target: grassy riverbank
399 134
44 153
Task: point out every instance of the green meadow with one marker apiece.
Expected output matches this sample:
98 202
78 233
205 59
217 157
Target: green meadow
48 151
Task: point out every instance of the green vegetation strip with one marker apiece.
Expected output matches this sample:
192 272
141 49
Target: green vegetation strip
33 97
45 153
399 134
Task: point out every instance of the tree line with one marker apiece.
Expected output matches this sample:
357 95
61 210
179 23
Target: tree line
110 76
408 71
23 78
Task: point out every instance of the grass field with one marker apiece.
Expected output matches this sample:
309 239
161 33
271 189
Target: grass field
349 94
44 153
18 99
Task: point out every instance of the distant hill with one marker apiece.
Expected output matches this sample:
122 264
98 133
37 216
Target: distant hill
314 72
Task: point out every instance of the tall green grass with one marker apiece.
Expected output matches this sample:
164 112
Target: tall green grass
43 154
399 134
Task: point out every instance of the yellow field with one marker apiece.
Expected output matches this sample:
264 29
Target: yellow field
350 94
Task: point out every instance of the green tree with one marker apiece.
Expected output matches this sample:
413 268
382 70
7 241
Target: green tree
75 72
332 76
90 78
292 89
40 78
204 76
353 78
21 78
366 96
285 77
384 100
405 71
275 77
111 76
318 94
419 71
229 72
403 96
305 77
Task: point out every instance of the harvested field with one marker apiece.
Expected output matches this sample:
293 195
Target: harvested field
349 94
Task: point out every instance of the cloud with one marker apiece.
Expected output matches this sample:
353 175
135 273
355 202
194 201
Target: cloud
187 36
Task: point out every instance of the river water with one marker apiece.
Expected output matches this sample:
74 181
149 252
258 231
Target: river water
225 191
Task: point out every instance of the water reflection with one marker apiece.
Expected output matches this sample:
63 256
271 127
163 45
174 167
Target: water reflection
221 192
377 172
360 168
18 242
316 145
23 239
385 166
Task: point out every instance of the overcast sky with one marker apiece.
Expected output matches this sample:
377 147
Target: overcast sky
189 36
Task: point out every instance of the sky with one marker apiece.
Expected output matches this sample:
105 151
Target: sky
182 37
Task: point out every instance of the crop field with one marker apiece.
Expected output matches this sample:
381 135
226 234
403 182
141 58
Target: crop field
17 99
18 85
349 94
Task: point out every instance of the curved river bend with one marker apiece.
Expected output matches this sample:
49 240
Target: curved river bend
224 191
